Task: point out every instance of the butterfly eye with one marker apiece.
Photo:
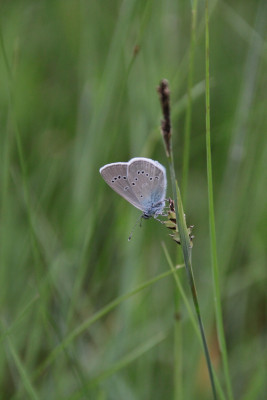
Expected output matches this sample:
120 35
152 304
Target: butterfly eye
133 184
119 177
124 177
150 179
139 172
146 174
136 179
156 177
126 188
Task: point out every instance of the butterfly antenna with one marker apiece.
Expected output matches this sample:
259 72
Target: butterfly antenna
140 222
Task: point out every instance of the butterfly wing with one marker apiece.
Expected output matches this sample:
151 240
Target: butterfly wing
148 181
115 175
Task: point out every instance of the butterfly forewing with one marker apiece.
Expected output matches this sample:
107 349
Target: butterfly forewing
116 176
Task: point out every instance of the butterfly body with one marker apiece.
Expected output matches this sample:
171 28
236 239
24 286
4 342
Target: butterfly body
141 181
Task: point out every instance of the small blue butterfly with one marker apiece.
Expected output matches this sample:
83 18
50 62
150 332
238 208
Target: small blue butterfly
140 181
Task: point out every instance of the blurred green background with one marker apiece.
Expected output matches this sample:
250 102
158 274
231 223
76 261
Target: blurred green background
78 90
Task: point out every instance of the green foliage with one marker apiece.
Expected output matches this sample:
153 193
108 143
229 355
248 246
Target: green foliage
78 90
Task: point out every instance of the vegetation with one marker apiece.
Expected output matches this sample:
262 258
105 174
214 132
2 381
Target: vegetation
85 314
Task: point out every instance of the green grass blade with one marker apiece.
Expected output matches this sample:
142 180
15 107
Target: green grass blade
188 115
91 320
215 269
124 362
22 371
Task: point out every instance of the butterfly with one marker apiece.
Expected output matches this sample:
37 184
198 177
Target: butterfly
141 181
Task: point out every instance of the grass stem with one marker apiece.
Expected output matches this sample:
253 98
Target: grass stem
164 94
188 115
187 253
215 270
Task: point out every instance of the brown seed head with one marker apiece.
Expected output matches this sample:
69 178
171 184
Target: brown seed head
164 96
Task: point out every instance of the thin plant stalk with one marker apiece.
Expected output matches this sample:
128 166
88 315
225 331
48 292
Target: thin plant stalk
21 156
23 373
192 319
178 332
188 115
214 259
164 93
187 253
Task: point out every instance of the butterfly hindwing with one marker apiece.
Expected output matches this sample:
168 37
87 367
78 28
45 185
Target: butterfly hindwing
148 180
